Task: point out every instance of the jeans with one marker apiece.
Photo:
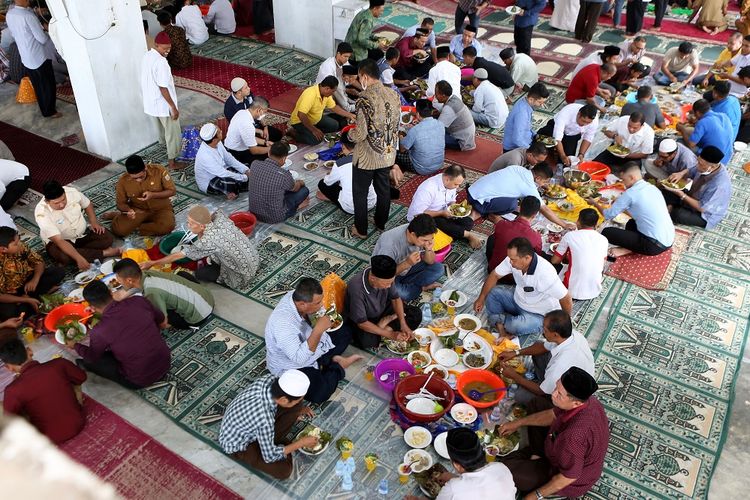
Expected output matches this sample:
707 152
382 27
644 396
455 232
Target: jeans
409 286
293 199
616 8
451 142
461 16
480 119
663 79
500 302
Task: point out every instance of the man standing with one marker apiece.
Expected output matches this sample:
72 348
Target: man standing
435 195
257 420
360 35
523 24
422 149
297 338
459 125
536 153
276 196
160 97
588 15
143 200
471 8
374 309
307 119
241 141
490 108
31 39
376 143
336 187
216 170
518 132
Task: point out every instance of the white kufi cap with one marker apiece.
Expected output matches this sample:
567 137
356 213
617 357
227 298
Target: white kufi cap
294 382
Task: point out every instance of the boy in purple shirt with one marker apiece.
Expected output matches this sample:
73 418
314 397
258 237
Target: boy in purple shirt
126 345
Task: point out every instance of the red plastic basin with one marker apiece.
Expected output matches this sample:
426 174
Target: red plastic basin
436 386
59 312
245 221
594 166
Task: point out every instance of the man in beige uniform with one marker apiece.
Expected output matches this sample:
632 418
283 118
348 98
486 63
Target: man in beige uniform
143 200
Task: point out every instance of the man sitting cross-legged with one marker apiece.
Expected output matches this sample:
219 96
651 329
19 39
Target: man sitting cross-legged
179 297
216 170
307 120
47 394
374 309
297 338
276 196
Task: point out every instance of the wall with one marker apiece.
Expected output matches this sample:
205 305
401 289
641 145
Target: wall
305 25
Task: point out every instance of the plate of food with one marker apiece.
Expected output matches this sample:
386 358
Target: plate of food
453 298
681 184
462 209
505 444
401 347
324 440
513 10
449 359
440 371
464 413
419 459
555 192
548 141
292 148
70 330
85 277
618 150
407 117
718 71
336 319
311 165
565 206
310 156
476 360
419 359
329 164
108 266
467 322
554 228
622 219
440 445
76 295
588 191
417 437
429 481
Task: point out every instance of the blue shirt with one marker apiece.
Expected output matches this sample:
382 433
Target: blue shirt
531 10
425 142
511 182
730 106
714 129
646 205
457 47
517 132
714 196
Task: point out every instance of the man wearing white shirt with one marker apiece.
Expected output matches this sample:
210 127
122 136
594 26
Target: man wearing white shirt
334 66
292 343
160 97
522 68
562 348
14 181
490 108
444 70
336 187
741 60
435 195
572 124
428 24
31 40
191 20
216 170
632 132
538 291
241 141
221 15
6 220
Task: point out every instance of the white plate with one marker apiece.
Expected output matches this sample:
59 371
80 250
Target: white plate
412 455
464 413
425 333
486 351
410 433
311 453
76 295
440 445
554 228
462 298
292 148
85 277
411 355
740 146
459 317
107 267
59 335
445 357
482 367
513 10
621 219
438 369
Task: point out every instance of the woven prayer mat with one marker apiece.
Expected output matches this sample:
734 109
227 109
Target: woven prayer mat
651 271
135 463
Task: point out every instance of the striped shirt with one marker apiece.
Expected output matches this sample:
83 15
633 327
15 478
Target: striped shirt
193 302
286 339
251 417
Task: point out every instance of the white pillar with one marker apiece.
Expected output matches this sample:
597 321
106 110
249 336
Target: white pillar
103 44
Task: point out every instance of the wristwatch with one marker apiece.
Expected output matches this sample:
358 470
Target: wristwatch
539 496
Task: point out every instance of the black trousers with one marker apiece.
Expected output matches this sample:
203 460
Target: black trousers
588 15
14 191
683 214
613 161
633 240
209 273
660 8
634 12
245 156
50 278
325 378
361 180
569 142
454 227
43 81
367 340
522 39
108 367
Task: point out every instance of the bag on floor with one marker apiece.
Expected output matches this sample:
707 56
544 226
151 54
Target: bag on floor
334 291
25 94
191 141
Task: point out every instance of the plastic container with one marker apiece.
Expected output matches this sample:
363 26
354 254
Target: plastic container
245 221
170 241
594 166
436 386
441 254
56 314
485 376
396 365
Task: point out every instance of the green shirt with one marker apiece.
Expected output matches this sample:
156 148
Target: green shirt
360 34
167 291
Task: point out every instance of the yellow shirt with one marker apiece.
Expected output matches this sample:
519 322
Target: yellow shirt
312 104
69 222
724 56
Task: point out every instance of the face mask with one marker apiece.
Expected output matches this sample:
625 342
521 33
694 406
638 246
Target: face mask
707 172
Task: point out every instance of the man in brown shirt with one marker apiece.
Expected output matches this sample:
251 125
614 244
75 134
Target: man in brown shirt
179 56
143 203
376 143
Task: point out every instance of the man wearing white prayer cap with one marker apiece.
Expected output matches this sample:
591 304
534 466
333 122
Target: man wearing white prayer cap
216 170
673 157
257 420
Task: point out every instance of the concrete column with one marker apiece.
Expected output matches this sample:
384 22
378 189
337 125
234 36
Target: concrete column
103 44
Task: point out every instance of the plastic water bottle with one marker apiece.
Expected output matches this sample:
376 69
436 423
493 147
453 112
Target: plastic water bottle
426 313
97 265
383 487
436 294
511 395
497 414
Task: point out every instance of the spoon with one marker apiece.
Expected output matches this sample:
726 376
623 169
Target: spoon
476 395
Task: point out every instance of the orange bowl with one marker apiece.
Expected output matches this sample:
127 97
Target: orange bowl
484 376
436 386
59 312
590 167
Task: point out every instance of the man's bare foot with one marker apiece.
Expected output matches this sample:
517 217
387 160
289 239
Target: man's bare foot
110 215
502 331
321 196
429 287
474 242
357 234
112 251
304 204
56 115
619 252
347 361
177 165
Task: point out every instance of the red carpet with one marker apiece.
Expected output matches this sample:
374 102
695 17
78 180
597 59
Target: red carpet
651 272
220 73
48 159
137 465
